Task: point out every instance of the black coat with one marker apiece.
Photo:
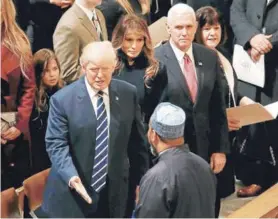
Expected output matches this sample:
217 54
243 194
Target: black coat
206 128
37 125
150 93
43 18
180 185
113 12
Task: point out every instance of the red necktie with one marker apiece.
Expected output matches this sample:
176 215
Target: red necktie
190 77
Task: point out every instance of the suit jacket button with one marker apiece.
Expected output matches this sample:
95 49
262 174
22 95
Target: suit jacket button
259 16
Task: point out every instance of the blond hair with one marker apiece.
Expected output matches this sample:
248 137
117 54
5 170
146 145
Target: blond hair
13 38
145 6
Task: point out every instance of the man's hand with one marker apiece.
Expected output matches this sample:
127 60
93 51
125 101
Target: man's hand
254 54
62 3
217 162
261 43
233 124
76 184
11 134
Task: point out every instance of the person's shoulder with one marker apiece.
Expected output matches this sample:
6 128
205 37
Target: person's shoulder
70 19
206 51
160 47
123 85
158 172
67 91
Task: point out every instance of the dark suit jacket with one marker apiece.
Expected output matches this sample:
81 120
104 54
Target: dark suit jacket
248 18
70 143
43 18
206 121
20 92
180 185
113 12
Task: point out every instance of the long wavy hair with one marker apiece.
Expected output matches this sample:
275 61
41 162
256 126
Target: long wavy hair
138 25
41 60
145 6
13 38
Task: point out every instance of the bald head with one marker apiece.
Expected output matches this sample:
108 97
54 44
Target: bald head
182 26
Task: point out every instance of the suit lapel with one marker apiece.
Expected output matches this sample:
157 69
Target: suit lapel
175 69
85 21
102 25
115 111
86 107
199 70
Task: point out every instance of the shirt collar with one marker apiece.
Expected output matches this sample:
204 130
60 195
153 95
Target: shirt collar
93 92
180 54
89 12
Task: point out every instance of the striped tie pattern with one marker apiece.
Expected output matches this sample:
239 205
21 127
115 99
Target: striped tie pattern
97 26
101 149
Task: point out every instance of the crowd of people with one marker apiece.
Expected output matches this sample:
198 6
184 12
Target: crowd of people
128 127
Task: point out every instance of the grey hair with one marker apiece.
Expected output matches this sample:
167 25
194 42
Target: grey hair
179 8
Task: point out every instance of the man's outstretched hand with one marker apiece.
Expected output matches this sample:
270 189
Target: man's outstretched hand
76 184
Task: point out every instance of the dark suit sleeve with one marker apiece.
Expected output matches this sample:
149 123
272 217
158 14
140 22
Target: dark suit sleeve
154 198
219 141
56 139
155 91
137 146
242 28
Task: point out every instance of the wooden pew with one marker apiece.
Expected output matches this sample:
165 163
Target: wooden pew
259 207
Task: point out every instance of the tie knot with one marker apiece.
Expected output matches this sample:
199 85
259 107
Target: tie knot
94 18
187 58
100 93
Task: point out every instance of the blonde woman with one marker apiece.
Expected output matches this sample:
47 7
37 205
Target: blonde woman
17 95
113 10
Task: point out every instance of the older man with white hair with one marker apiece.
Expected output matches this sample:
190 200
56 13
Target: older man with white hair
195 84
181 184
94 135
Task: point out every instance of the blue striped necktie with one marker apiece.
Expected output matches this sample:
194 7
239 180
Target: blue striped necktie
101 148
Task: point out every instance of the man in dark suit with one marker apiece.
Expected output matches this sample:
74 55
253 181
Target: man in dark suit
195 85
255 24
94 134
181 184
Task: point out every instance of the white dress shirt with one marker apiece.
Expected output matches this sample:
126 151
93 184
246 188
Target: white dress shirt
93 95
180 56
87 11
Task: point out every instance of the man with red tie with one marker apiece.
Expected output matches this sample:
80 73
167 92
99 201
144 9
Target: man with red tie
195 85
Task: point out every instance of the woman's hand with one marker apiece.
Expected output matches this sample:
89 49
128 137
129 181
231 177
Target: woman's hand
11 134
